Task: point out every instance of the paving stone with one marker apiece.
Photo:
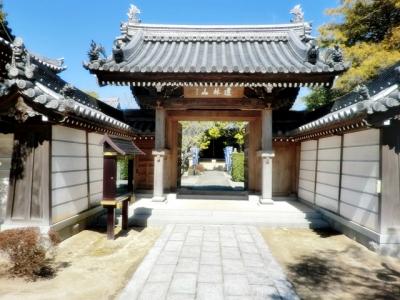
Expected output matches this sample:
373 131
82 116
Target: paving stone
259 275
262 292
211 237
153 291
195 233
210 291
181 228
239 298
180 297
210 258
183 283
230 253
177 236
168 258
191 252
245 238
249 248
253 262
209 246
233 266
193 241
187 265
228 242
210 262
236 285
173 246
161 273
210 274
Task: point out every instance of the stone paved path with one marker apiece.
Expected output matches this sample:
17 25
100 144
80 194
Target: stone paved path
211 180
209 262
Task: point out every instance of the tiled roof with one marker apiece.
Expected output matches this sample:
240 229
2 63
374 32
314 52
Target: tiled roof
122 146
263 49
378 96
36 78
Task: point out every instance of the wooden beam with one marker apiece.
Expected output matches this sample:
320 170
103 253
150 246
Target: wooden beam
213 115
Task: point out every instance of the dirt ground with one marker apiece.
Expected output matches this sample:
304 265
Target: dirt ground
90 267
328 265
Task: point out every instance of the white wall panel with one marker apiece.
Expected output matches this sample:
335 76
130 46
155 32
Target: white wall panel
63 195
328 173
69 209
308 155
68 134
359 216
359 198
60 180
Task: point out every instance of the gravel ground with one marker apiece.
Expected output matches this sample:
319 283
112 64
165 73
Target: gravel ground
328 265
91 267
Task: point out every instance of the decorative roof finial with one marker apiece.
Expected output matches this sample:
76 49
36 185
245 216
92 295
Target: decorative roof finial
133 14
298 14
95 51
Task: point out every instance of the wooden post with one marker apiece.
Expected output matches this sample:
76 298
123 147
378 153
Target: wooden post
125 205
110 222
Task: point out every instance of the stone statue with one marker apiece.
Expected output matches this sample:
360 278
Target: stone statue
118 54
313 54
298 14
363 91
337 54
133 14
95 51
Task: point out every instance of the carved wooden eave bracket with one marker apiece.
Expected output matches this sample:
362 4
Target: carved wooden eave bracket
21 111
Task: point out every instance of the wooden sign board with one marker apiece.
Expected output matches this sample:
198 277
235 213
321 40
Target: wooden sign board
213 92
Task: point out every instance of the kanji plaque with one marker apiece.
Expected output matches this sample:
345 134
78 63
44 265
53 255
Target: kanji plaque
213 92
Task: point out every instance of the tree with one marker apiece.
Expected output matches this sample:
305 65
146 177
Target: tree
369 35
319 97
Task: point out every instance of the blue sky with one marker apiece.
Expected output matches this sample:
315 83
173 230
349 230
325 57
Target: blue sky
64 28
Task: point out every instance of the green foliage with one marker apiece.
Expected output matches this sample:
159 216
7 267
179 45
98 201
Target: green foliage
319 97
369 34
238 167
123 168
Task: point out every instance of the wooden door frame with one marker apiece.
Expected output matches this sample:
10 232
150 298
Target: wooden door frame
253 117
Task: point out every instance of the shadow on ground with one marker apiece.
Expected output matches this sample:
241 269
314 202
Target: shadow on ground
322 273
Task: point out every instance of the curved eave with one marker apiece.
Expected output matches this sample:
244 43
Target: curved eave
212 79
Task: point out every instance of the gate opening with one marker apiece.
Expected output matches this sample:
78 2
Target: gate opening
212 156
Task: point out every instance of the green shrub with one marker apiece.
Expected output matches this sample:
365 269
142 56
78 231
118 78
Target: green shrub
238 167
28 251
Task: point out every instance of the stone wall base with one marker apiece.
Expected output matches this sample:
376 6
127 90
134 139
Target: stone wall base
65 228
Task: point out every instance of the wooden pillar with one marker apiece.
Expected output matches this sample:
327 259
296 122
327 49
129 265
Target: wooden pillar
266 154
159 156
110 222
125 208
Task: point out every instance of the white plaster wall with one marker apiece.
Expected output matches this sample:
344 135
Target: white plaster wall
351 193
6 148
308 156
328 173
361 163
96 162
69 187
